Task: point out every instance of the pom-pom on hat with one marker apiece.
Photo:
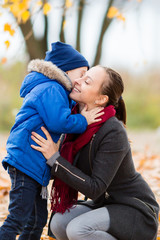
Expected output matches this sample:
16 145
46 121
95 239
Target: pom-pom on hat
65 57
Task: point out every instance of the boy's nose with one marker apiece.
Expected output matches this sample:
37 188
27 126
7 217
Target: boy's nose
78 81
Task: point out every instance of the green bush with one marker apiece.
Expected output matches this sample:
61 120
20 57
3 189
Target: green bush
143 101
141 96
143 112
11 78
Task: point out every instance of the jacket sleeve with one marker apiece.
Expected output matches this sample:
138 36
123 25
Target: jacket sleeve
106 163
53 108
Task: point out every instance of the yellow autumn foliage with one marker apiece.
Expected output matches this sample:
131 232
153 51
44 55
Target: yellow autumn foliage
68 3
3 60
39 3
25 16
64 24
113 12
121 17
7 28
7 43
46 8
19 8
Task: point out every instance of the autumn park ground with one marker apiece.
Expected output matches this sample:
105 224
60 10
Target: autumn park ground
146 155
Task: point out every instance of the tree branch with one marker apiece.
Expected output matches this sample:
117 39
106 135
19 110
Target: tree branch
105 25
62 38
80 15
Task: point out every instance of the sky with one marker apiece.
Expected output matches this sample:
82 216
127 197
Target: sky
133 44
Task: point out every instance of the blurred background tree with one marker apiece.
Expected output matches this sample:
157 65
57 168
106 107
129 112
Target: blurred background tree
24 11
81 23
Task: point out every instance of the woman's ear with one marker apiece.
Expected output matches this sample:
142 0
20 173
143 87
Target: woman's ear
102 100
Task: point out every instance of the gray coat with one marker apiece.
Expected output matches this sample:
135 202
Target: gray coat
104 172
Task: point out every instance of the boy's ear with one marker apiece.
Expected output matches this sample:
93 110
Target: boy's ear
102 100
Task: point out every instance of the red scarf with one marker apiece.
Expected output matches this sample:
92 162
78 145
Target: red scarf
63 196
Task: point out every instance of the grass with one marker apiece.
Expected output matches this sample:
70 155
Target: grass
142 100
11 78
141 96
143 109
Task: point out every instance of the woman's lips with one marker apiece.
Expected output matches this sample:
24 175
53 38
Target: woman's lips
75 89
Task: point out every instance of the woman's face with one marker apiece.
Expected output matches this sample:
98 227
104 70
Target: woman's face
87 90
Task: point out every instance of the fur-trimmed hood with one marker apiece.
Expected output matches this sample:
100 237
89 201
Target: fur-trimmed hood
49 70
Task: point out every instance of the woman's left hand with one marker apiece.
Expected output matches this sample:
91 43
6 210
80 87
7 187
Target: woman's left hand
46 146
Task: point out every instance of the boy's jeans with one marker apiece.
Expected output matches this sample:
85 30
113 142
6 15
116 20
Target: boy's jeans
27 210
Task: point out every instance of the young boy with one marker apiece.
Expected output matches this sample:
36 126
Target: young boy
45 91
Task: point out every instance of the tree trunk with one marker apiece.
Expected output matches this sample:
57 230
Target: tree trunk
80 15
105 25
36 48
62 38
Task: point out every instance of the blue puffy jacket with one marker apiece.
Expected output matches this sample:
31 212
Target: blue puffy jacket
45 90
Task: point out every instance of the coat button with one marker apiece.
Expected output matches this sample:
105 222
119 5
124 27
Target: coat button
106 195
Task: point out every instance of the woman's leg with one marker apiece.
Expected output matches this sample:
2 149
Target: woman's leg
60 221
92 225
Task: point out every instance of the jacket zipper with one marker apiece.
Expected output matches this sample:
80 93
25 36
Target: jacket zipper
147 206
90 147
58 164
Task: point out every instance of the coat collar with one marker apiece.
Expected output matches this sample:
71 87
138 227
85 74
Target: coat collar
51 71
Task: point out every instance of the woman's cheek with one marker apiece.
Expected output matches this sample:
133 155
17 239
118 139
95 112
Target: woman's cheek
73 96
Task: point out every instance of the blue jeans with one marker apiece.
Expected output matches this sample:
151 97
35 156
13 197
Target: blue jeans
82 223
27 210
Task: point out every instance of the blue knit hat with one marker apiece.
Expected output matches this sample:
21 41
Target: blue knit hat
65 57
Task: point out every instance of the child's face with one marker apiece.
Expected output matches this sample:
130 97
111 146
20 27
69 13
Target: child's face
76 73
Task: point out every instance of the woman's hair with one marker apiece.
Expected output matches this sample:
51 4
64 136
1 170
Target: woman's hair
113 87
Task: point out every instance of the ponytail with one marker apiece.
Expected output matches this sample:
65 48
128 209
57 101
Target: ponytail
113 87
121 111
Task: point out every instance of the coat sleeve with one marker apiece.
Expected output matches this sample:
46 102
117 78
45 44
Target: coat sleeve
53 108
110 154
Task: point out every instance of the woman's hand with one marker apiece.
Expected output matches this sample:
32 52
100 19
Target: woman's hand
92 115
46 146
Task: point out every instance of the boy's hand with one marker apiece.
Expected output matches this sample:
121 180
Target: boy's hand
93 114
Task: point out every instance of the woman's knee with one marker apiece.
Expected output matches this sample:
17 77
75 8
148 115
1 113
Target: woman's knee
75 230
71 231
57 226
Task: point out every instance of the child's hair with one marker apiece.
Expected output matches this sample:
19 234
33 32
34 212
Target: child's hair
113 87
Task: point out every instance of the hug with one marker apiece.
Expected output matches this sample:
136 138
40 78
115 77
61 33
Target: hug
94 157
98 163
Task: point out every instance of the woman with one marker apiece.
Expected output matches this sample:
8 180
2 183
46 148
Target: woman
122 205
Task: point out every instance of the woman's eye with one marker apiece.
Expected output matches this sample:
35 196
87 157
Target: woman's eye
86 82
